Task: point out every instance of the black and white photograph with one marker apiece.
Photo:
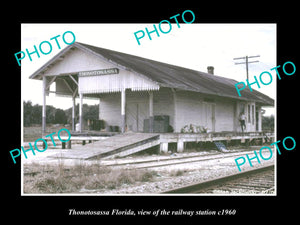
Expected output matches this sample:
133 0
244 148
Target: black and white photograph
150 124
166 118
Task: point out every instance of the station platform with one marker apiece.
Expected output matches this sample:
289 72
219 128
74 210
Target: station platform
118 145
121 145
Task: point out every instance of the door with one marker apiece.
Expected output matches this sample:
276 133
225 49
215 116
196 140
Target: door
136 112
209 116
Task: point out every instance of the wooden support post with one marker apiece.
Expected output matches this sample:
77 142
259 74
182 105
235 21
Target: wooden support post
180 146
44 106
99 116
44 145
151 118
69 144
259 119
123 106
73 114
80 114
243 140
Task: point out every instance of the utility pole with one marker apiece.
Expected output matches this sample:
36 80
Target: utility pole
246 62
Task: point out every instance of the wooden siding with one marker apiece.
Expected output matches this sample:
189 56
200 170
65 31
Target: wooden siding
225 115
164 104
217 114
183 108
115 83
189 109
110 109
74 61
137 107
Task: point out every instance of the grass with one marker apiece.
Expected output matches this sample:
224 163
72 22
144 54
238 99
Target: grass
71 179
34 132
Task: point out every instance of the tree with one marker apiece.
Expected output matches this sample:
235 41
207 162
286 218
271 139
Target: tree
60 116
33 114
90 112
50 114
36 114
268 122
27 109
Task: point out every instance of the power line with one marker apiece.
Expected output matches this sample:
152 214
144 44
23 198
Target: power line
246 62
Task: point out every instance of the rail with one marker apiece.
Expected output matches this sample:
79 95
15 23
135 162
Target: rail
194 188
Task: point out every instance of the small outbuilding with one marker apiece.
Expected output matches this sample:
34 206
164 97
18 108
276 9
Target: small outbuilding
144 95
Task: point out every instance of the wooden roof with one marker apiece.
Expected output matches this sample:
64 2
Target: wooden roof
166 75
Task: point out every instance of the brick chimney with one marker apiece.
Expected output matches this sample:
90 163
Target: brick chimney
210 69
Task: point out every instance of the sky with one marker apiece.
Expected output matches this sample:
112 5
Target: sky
194 46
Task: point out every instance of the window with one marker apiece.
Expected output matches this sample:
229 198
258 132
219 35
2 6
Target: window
242 107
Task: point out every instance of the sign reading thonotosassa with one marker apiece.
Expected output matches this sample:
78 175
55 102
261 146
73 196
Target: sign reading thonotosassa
99 72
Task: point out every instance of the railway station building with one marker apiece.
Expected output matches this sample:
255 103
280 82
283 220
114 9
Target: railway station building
137 94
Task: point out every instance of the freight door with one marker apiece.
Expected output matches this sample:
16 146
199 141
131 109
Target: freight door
136 113
209 116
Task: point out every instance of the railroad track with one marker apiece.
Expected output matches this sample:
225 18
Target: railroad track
254 181
144 164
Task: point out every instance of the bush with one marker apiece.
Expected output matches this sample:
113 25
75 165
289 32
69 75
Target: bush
193 129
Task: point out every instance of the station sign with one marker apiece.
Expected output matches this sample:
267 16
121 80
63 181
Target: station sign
99 72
